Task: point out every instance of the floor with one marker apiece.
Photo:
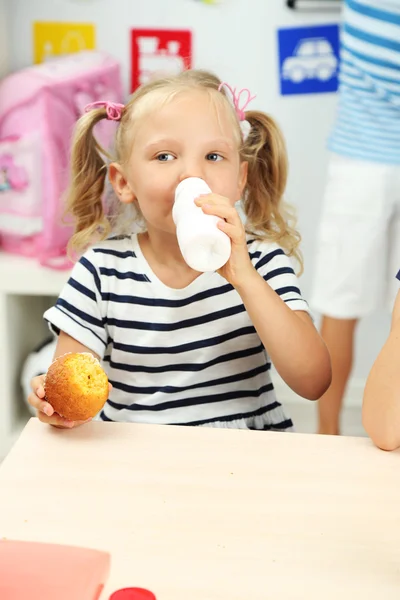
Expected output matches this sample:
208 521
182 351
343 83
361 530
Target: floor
304 416
304 412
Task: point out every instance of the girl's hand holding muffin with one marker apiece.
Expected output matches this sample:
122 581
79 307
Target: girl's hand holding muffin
72 392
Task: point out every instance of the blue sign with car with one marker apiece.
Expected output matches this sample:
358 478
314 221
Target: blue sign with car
309 59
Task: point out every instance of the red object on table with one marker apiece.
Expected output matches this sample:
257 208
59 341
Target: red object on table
133 594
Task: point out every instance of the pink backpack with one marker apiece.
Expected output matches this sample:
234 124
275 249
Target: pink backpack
39 107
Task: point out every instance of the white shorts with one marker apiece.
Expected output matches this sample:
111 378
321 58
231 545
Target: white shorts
358 240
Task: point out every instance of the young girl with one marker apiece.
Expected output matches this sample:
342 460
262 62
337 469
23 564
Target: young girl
182 347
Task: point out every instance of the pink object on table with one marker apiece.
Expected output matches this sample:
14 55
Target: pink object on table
36 571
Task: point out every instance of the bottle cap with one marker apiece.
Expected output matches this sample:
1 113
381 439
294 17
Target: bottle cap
133 594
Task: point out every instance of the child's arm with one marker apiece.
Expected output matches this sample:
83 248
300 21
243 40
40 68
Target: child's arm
381 402
290 338
66 343
296 349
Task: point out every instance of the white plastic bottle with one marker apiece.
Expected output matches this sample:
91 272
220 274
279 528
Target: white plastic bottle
204 247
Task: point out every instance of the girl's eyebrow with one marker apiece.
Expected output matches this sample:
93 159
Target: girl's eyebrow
212 143
160 142
218 142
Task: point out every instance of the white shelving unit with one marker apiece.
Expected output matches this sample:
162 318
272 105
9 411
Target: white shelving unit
26 291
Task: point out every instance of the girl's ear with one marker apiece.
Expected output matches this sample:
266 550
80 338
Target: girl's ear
243 170
120 184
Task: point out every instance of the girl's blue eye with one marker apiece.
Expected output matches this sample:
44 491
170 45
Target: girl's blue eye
165 157
214 157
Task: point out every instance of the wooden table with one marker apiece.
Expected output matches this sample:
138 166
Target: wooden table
206 514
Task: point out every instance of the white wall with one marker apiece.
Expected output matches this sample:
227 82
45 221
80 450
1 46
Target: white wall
238 41
3 39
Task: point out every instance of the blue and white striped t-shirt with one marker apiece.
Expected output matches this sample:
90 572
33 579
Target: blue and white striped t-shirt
186 356
368 120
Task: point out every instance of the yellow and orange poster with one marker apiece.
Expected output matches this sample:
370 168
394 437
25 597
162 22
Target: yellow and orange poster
58 39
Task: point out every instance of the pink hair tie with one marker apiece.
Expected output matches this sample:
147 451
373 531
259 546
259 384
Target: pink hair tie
114 110
236 99
240 108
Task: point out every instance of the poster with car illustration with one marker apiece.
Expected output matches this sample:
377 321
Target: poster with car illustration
308 59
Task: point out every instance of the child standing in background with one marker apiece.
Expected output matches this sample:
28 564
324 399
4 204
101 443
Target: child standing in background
359 234
181 347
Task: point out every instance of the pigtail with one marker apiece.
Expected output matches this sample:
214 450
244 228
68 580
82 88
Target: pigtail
84 197
267 215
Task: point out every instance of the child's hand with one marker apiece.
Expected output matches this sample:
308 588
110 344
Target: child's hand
239 266
45 411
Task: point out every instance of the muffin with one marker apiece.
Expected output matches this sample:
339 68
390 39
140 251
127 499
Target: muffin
76 386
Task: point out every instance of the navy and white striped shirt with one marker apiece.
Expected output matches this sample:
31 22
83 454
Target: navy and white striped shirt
186 356
368 120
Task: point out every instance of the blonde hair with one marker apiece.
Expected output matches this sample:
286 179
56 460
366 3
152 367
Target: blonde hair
264 150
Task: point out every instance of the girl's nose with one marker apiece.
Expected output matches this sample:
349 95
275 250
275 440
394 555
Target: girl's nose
191 171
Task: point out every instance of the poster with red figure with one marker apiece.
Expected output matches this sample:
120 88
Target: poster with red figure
158 52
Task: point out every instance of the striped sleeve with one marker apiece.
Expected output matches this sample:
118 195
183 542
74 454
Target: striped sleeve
368 116
77 311
276 268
